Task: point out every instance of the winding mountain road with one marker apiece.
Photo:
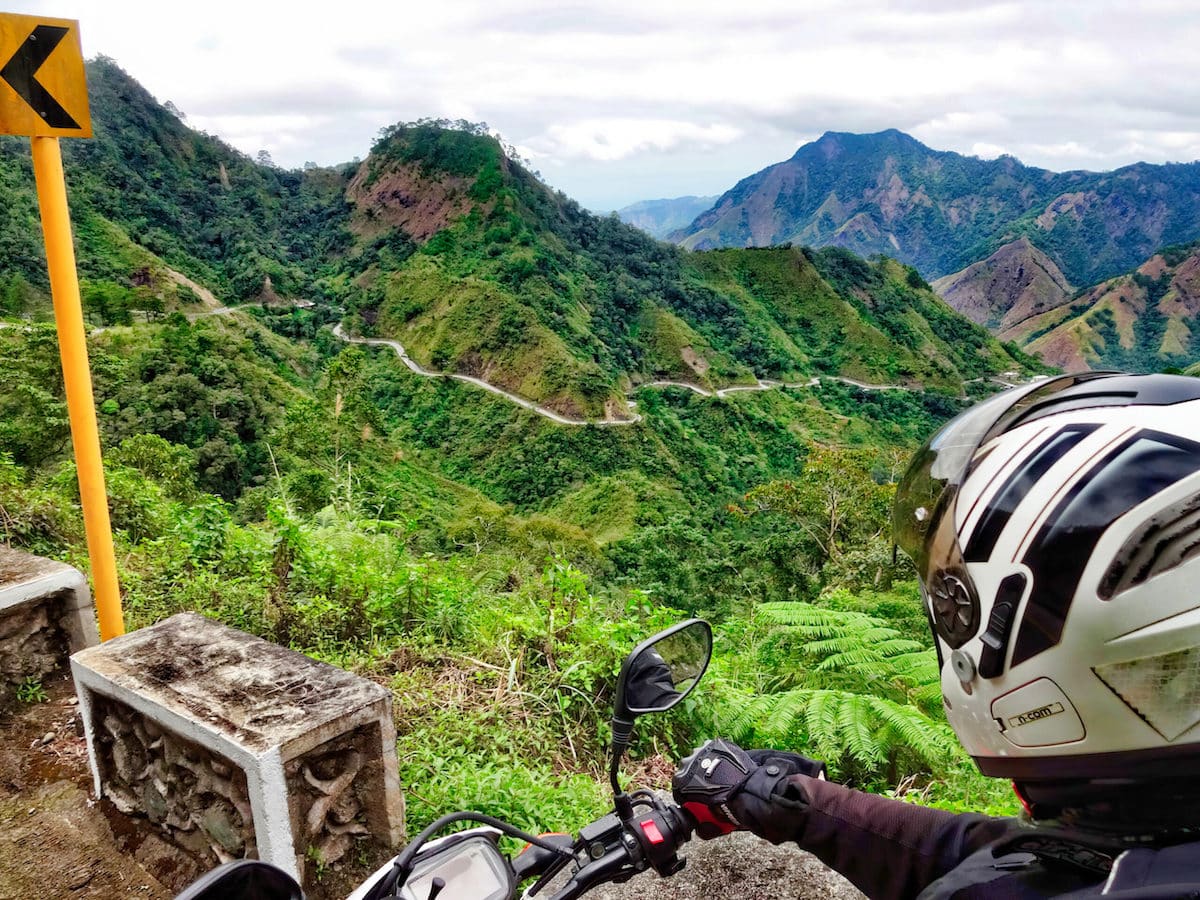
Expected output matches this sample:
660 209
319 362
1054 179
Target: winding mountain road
525 403
416 367
764 385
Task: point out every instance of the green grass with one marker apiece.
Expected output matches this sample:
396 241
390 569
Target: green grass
31 691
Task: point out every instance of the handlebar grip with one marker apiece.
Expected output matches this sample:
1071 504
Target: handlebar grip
707 824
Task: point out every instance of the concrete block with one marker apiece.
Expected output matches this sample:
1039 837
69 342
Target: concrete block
237 747
45 614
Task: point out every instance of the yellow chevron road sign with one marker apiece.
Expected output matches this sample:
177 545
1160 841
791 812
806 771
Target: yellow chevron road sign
43 91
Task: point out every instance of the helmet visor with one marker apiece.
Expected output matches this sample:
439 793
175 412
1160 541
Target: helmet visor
923 517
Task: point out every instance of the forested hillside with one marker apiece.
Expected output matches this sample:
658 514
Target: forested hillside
488 272
488 564
149 194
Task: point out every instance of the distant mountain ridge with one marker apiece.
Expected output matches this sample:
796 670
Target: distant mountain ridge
659 218
940 211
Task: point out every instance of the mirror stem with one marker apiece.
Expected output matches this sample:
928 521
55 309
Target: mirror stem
623 806
622 733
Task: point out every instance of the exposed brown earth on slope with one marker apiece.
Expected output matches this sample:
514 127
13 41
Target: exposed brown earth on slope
1149 313
1014 283
401 197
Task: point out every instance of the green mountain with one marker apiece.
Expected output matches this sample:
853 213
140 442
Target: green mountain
889 194
479 268
1144 320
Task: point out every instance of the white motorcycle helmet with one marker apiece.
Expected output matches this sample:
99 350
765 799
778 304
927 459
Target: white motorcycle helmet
1056 532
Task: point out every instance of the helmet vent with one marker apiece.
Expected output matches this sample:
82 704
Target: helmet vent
1018 486
1167 539
1146 464
1164 690
955 607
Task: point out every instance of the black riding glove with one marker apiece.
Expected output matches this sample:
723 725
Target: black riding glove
726 789
789 763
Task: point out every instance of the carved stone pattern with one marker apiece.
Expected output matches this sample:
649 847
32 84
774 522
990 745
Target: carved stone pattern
197 797
33 642
328 793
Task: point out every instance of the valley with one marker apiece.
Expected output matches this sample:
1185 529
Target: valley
346 409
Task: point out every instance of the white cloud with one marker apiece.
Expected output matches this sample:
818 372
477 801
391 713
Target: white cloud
1069 152
984 150
610 96
1167 146
613 139
956 130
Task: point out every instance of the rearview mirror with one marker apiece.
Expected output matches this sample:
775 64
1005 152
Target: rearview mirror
664 669
660 672
244 879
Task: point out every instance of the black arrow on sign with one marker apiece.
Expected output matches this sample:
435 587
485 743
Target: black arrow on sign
20 70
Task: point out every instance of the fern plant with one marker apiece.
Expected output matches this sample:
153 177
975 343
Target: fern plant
822 647
850 689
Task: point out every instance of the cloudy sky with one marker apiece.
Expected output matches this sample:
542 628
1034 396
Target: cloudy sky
623 100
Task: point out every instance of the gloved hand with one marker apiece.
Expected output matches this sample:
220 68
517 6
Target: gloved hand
726 789
789 763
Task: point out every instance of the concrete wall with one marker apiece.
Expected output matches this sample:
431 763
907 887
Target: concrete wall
237 747
45 615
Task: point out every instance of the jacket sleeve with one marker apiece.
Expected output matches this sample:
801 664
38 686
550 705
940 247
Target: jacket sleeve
890 850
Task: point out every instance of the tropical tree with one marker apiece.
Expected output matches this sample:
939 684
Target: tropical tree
838 515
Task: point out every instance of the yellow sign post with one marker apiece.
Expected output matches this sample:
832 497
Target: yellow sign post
43 94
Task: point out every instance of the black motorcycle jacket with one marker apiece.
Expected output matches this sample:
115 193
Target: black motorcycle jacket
893 850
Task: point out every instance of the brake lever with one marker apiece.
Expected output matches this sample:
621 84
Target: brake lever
605 870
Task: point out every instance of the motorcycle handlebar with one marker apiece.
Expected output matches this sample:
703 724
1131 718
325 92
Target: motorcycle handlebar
601 871
618 849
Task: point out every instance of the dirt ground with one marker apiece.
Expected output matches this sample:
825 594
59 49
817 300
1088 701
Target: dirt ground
57 842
